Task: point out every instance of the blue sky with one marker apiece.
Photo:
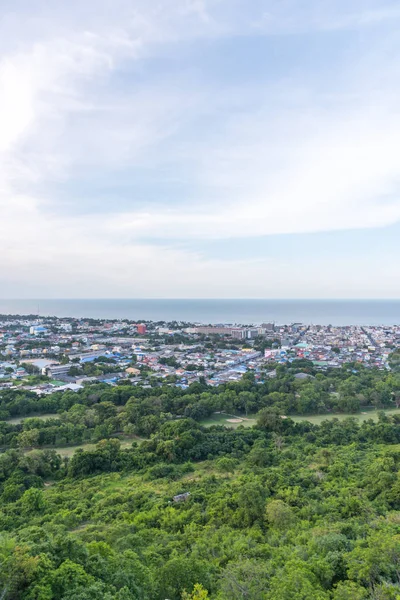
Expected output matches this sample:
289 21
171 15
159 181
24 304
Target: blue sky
200 148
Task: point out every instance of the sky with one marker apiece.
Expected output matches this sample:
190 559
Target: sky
200 149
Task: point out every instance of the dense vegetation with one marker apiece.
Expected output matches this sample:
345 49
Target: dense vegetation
281 511
142 409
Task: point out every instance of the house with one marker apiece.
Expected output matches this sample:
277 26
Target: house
132 371
182 497
20 372
56 371
37 330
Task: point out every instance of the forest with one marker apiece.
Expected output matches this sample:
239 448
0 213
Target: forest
279 511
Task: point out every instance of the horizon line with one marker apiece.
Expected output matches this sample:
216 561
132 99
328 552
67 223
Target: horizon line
159 299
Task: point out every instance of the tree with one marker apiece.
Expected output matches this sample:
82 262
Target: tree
279 514
181 573
74 371
247 579
18 569
379 559
226 465
29 438
259 455
251 503
198 593
296 581
349 590
269 419
69 578
278 441
30 368
33 501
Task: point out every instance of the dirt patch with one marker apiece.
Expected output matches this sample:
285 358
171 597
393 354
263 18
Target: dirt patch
235 420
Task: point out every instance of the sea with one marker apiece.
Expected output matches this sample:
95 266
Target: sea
246 312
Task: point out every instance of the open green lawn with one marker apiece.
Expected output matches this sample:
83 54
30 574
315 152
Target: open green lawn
224 419
363 416
17 420
126 442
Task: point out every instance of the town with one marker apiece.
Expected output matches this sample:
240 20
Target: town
44 354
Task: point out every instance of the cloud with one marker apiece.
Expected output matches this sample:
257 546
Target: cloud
90 92
284 17
335 171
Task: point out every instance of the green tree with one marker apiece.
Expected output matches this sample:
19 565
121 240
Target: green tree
33 501
270 419
349 590
29 438
198 593
180 574
226 464
279 514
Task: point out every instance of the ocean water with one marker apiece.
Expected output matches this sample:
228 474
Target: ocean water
322 312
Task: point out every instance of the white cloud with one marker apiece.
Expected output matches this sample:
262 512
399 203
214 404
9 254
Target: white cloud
340 172
291 156
285 16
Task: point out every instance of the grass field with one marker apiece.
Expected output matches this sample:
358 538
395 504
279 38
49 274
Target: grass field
224 419
126 442
17 420
363 416
231 421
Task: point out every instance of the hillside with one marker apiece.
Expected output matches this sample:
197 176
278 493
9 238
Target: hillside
279 511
